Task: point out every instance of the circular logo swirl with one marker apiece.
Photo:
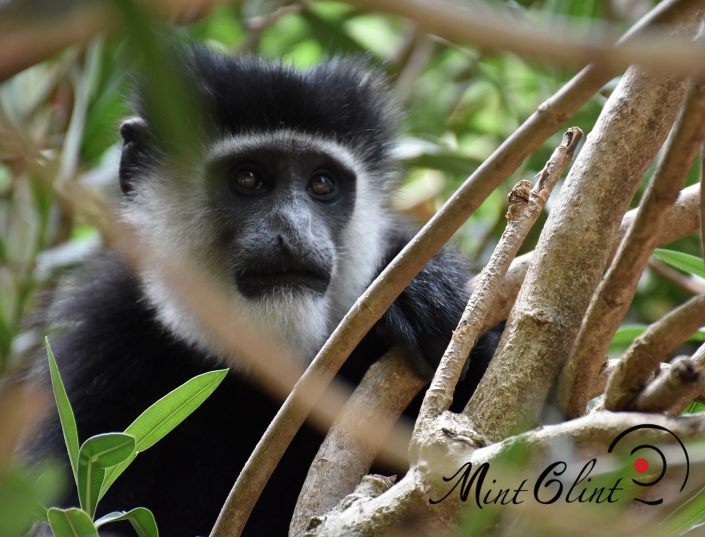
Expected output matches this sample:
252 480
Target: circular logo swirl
643 464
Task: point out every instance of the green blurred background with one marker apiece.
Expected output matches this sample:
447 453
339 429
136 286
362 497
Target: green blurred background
59 142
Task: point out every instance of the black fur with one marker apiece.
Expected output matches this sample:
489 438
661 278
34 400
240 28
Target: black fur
117 358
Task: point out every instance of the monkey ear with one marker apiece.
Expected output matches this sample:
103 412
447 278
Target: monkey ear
135 152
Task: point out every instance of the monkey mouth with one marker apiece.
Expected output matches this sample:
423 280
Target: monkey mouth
288 274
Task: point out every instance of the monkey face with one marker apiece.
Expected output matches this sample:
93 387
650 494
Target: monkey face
281 209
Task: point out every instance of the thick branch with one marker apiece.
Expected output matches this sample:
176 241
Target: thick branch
616 291
645 354
572 251
344 457
380 514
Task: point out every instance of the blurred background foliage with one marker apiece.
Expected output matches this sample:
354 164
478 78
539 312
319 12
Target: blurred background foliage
59 142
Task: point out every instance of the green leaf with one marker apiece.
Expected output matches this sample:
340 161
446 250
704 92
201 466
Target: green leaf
98 453
141 518
687 516
694 407
71 523
627 333
685 262
161 417
63 405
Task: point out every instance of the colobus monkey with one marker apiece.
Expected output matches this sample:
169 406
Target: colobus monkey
284 201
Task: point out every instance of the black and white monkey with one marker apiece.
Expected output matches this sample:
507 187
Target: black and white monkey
286 206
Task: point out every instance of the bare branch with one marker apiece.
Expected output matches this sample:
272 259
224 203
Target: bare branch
682 220
616 291
380 514
572 251
483 26
682 380
643 357
525 206
345 457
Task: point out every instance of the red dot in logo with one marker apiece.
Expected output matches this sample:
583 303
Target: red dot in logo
641 465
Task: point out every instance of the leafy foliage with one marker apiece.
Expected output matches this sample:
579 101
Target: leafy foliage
103 457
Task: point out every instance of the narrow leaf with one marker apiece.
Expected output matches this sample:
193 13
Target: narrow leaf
141 518
63 405
98 453
161 417
685 262
71 523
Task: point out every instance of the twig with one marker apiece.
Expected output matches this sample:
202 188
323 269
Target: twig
344 458
616 291
483 26
644 355
389 284
525 206
680 381
681 280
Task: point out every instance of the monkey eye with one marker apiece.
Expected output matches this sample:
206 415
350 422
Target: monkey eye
247 181
321 185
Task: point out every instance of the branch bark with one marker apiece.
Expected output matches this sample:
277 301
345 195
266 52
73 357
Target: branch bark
483 26
645 354
616 290
572 251
380 513
344 457
682 220
525 206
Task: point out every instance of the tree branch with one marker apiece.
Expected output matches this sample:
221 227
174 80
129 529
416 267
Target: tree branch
483 26
525 206
681 381
644 355
681 221
616 290
381 513
345 457
572 251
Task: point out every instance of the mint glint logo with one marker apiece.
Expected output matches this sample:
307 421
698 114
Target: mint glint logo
641 465
553 484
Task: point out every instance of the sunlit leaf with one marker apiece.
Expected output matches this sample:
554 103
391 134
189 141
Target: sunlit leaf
63 405
160 418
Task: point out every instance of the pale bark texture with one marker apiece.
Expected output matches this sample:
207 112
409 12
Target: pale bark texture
572 252
616 291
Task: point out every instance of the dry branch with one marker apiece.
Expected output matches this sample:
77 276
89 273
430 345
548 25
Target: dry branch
525 206
616 291
645 354
389 284
379 514
344 457
480 25
572 251
681 381
682 220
